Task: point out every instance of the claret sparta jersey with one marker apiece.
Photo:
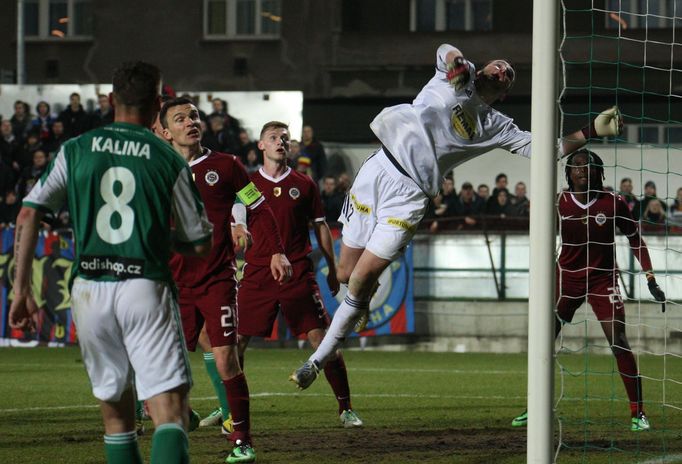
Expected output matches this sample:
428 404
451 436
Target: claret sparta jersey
588 232
443 128
123 185
219 177
295 201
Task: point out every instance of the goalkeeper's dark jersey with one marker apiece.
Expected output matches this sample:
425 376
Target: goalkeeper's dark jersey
123 185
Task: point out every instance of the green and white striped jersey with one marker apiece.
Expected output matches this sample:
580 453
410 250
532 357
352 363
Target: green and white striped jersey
124 187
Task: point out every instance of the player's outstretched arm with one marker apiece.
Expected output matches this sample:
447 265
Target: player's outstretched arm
628 226
608 123
326 242
25 239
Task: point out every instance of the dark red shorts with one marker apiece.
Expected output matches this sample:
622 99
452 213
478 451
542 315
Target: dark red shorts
214 305
260 297
602 292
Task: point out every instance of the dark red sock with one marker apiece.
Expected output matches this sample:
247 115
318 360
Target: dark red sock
627 366
238 398
337 376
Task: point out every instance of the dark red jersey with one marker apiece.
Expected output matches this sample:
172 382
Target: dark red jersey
219 177
588 233
295 201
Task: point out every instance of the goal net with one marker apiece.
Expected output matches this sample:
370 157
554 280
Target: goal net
626 53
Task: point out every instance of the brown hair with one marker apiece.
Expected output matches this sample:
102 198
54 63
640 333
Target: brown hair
273 125
136 84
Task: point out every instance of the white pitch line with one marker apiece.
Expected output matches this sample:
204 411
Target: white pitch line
352 369
675 458
288 395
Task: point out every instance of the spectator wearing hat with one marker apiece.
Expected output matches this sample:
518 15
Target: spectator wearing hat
649 195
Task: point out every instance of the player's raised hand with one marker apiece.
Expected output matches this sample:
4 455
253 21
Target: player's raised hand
21 313
458 73
608 123
281 268
241 238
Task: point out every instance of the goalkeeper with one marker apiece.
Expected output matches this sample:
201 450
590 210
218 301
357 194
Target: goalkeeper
449 122
587 269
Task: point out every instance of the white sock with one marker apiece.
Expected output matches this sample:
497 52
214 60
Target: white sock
345 318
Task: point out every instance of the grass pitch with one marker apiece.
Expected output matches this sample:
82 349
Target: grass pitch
417 407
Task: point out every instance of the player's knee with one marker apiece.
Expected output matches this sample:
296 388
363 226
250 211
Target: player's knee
343 273
361 287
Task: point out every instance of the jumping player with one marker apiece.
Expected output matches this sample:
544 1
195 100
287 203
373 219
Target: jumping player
587 268
295 200
450 122
124 186
207 287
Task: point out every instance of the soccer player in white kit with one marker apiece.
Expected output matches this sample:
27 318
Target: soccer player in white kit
124 186
449 122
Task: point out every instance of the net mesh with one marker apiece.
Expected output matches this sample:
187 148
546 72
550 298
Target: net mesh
625 53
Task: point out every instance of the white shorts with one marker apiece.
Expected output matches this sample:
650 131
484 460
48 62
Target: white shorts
382 209
127 328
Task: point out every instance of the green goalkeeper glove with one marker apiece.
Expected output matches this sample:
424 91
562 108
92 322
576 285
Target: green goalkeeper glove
608 123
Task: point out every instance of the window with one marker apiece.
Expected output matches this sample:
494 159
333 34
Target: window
58 19
642 14
653 134
451 15
242 18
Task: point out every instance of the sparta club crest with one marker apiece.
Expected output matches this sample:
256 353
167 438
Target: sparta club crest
600 219
294 193
211 177
277 191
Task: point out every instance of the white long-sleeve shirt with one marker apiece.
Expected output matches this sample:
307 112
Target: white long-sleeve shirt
443 128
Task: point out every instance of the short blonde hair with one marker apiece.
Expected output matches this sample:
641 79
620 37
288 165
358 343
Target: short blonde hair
273 125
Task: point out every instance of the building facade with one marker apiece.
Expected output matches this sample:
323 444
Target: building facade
349 57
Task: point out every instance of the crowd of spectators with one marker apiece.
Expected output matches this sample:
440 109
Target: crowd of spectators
471 209
32 136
